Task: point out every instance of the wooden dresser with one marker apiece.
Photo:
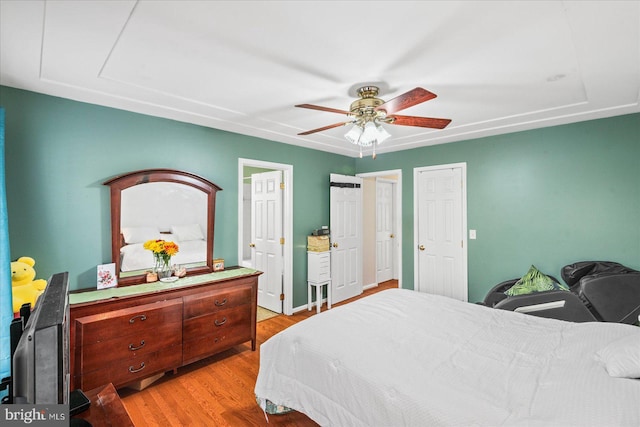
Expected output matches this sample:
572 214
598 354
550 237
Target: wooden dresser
123 335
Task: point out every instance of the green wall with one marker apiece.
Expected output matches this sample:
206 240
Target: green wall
59 152
547 197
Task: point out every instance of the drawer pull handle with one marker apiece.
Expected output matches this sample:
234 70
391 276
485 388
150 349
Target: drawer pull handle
220 304
141 316
134 370
132 348
224 320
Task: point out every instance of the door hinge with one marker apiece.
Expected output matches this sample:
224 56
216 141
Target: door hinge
462 243
282 240
281 297
282 185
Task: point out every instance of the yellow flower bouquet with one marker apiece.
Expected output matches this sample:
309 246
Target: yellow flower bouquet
162 251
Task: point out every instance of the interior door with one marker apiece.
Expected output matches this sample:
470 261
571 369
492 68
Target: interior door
384 230
440 233
266 237
346 237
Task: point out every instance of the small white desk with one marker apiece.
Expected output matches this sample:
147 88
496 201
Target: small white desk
318 275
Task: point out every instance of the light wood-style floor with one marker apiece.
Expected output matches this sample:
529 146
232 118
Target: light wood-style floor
218 391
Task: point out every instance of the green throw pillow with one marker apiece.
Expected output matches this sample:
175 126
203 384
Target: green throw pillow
534 281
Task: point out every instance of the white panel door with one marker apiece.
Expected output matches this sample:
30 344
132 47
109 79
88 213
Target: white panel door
441 268
266 234
346 237
384 230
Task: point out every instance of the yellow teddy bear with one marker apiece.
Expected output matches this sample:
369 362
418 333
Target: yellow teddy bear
24 288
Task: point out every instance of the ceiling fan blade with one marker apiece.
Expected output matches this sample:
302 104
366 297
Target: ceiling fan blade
424 122
335 125
317 107
406 100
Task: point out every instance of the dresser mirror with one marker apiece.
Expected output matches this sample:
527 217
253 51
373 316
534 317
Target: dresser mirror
162 204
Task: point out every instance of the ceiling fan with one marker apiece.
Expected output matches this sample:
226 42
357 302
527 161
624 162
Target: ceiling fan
369 112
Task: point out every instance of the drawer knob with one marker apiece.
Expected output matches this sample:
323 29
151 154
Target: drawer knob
132 348
220 304
217 323
134 370
142 317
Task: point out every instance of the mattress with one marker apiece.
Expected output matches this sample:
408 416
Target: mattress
401 357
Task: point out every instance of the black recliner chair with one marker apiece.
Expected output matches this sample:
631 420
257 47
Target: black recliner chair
602 291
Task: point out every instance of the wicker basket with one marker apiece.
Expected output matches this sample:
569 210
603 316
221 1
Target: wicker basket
318 243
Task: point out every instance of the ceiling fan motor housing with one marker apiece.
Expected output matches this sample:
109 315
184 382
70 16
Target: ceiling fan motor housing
365 106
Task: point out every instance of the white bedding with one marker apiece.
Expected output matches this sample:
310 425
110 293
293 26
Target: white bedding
135 257
401 357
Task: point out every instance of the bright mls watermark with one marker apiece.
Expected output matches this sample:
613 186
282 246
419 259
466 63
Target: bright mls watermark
37 415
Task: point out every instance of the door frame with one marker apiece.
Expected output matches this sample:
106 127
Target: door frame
287 226
397 206
416 172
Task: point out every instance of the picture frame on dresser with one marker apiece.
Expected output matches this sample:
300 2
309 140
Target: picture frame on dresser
106 276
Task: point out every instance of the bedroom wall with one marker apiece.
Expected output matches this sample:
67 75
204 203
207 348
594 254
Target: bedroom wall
59 152
547 197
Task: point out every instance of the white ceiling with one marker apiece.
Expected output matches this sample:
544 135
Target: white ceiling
241 66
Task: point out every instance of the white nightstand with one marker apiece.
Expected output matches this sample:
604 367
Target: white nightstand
318 275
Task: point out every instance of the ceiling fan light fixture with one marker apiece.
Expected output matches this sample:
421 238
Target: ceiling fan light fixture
369 135
382 134
353 136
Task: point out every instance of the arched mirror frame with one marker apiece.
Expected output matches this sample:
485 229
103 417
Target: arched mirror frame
122 182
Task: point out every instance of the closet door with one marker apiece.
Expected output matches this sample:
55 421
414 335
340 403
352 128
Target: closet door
267 237
346 237
440 225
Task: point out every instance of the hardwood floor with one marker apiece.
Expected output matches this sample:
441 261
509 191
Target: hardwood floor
218 391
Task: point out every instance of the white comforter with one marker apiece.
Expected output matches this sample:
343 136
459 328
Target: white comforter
136 257
404 358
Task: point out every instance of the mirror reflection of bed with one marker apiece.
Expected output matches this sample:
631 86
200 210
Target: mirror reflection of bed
165 204
162 210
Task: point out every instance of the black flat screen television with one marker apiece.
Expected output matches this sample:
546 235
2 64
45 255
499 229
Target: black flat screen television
41 359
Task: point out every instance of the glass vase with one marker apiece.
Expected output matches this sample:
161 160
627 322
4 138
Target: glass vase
163 268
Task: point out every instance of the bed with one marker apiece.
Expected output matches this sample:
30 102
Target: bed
189 238
401 357
135 257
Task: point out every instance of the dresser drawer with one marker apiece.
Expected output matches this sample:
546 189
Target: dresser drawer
98 355
198 327
128 321
136 368
213 301
220 340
